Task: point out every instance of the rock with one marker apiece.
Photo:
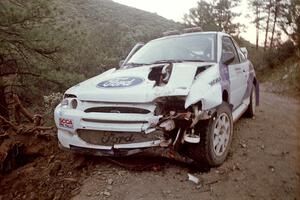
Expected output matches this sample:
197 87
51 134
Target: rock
98 193
167 192
243 145
285 76
109 187
236 166
110 181
89 194
271 168
106 193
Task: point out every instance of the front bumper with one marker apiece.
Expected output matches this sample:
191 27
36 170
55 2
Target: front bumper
164 152
133 123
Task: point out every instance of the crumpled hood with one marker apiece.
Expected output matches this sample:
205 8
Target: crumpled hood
133 85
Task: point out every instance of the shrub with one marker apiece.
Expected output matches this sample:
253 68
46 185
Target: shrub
278 55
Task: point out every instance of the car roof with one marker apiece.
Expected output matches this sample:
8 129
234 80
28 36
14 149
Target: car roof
191 34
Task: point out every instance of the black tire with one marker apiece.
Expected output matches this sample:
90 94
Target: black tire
250 112
203 153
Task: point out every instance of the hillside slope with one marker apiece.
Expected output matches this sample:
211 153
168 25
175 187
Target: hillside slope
93 36
284 79
101 32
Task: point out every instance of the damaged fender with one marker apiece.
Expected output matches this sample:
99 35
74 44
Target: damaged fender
207 89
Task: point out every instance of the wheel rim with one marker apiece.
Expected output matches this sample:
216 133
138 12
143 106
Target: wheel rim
253 101
221 134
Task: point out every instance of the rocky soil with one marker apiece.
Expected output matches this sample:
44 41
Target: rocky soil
263 164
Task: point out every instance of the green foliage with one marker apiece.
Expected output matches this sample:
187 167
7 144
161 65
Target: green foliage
267 62
60 43
290 20
201 16
284 78
214 16
276 56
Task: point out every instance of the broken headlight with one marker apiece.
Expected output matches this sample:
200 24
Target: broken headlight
161 74
165 105
166 73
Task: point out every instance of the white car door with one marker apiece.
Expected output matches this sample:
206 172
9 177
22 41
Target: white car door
246 68
237 77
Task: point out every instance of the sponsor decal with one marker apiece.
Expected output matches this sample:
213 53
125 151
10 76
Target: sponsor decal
66 123
215 81
114 139
120 82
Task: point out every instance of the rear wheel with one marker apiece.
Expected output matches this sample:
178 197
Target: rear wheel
216 135
250 112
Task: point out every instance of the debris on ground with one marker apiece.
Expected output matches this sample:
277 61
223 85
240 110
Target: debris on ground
243 145
193 178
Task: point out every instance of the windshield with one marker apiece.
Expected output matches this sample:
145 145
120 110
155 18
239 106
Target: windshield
193 48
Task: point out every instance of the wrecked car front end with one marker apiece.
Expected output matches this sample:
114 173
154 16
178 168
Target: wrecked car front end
154 101
123 115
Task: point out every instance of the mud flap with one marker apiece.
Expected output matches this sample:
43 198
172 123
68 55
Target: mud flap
257 93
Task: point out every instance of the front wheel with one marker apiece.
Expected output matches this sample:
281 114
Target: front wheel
216 135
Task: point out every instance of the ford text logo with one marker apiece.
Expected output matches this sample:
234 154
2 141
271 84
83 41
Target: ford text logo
120 82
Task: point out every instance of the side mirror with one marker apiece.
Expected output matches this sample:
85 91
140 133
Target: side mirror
227 58
121 63
245 51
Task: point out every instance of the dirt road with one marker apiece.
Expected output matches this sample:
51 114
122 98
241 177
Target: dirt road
261 165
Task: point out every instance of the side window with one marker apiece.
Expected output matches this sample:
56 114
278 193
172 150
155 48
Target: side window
241 54
227 46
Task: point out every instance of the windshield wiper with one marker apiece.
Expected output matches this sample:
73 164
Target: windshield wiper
176 61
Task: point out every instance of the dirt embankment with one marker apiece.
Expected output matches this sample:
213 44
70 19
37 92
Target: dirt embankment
263 164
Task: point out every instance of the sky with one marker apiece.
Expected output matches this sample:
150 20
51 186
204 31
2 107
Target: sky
175 9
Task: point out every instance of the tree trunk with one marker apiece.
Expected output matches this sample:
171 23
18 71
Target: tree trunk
257 26
267 26
276 13
274 24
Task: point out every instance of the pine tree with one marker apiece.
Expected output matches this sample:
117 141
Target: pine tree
22 43
256 6
214 16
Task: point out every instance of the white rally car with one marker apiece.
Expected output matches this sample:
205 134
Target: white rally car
178 95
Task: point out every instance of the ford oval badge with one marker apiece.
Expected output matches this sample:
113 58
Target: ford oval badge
120 82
